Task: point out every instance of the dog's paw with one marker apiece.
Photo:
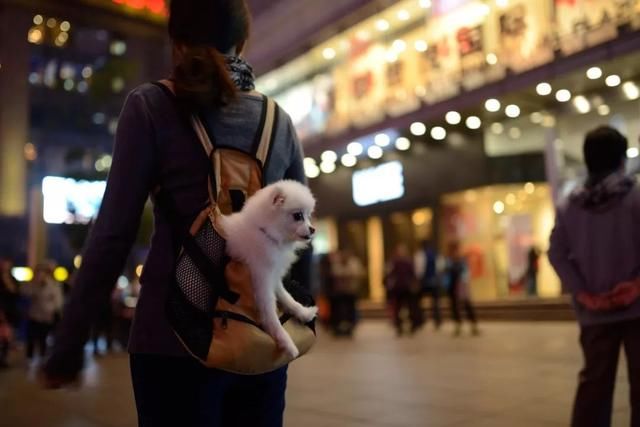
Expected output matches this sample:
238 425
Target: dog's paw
307 314
285 343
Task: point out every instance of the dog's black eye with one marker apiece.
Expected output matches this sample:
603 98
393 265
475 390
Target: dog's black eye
298 216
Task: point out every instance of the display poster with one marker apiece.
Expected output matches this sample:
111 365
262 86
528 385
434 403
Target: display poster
519 238
367 74
402 77
584 23
525 35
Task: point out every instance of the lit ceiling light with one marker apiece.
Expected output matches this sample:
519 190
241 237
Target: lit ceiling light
404 15
38 19
348 160
438 133
604 110
633 152
327 167
309 161
536 117
582 104
473 122
543 89
399 45
418 129
382 139
391 56
118 48
497 128
363 35
512 111
563 95
549 121
69 85
328 53
613 80
51 22
502 3
498 207
117 84
374 152
355 148
492 105
515 132
425 4
421 45
594 73
312 171
529 188
382 25
403 144
453 117
492 59
329 156
510 199
65 26
631 90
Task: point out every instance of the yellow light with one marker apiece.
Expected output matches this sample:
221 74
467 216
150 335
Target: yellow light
502 3
311 171
613 80
382 25
30 152
492 105
453 117
498 207
404 15
77 261
399 45
438 133
60 274
355 148
328 53
594 73
348 160
329 156
51 22
327 167
139 270
421 45
65 26
512 111
419 218
529 188
418 129
511 199
425 4
22 274
34 36
403 144
375 152
492 59
38 19
543 89
473 122
563 95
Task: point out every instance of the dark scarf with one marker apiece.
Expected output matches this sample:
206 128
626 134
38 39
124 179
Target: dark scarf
601 195
241 73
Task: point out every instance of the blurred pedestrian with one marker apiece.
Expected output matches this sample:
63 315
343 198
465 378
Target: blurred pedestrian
428 270
404 290
45 304
347 272
595 249
157 148
531 275
9 294
458 289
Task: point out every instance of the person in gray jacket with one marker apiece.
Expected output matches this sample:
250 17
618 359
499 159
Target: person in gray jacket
595 249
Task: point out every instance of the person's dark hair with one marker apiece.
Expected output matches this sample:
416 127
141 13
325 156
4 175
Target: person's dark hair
604 152
202 31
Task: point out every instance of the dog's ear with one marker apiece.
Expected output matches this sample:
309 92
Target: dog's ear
278 197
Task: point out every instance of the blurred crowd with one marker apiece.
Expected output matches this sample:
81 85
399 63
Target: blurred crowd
410 281
30 312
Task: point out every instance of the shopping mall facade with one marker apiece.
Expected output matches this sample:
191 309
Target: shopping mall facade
442 120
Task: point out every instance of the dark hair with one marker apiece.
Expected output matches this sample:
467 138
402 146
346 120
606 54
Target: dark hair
202 31
604 152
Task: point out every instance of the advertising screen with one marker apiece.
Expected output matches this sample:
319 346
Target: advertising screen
378 184
70 201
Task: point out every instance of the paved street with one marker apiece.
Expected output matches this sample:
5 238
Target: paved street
515 374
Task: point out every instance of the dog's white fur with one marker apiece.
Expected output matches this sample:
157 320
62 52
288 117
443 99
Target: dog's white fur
273 225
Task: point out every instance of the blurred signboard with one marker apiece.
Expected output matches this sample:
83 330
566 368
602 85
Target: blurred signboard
155 10
463 45
70 201
378 184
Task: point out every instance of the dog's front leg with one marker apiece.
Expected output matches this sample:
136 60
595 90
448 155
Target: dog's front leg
290 305
265 297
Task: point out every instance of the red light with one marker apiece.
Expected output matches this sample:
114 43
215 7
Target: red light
153 6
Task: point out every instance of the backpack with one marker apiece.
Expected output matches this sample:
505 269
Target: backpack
210 304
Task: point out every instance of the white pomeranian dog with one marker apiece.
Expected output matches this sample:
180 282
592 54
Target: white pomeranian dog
273 225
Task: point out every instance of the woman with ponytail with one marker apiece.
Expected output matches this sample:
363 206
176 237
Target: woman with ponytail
155 147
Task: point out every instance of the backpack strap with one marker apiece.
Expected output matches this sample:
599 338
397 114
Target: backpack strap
266 131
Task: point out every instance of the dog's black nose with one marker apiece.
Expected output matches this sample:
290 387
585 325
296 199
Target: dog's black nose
312 231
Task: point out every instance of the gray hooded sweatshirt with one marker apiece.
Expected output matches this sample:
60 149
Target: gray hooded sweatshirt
595 243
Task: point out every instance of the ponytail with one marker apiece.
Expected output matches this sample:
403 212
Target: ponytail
200 76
